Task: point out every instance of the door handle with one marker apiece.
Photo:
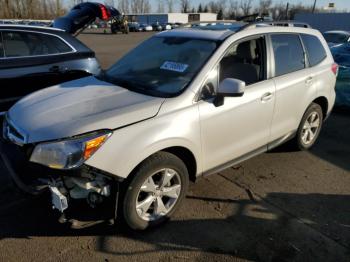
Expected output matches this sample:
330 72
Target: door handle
266 97
309 80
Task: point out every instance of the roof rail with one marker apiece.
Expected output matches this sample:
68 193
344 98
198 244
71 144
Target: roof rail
190 24
282 23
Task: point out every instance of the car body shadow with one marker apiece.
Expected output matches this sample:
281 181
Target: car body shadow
318 229
333 145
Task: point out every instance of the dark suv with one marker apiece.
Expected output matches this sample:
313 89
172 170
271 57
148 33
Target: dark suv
32 58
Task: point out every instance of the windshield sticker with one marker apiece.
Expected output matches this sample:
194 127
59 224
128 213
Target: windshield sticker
174 66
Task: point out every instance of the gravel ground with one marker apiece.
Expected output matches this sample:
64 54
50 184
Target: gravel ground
279 206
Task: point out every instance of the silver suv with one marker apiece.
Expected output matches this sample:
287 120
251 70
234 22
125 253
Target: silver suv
183 104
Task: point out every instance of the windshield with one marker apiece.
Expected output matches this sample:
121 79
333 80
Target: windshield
161 66
336 38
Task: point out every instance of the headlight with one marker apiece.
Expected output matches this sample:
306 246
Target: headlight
67 154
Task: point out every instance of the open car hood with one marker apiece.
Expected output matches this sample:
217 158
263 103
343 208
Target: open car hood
77 107
81 15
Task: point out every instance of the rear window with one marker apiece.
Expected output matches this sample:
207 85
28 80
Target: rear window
314 48
288 52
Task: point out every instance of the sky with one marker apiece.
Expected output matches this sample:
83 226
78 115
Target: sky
340 4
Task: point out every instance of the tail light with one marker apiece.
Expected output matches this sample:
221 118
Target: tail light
335 69
104 12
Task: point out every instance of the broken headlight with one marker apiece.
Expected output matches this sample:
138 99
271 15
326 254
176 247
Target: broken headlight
70 153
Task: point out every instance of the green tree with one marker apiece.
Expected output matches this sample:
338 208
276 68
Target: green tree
220 14
200 9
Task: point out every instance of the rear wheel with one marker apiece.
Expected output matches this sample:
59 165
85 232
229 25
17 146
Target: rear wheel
156 191
309 128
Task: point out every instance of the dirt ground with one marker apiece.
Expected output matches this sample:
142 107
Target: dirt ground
279 206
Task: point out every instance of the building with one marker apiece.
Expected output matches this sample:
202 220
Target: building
326 21
171 17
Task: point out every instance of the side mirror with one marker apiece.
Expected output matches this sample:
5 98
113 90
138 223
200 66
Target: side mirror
229 87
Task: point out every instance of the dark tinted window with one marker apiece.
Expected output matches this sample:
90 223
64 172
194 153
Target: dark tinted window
1 47
336 38
289 53
18 44
314 48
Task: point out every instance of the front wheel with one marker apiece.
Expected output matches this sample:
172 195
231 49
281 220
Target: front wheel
157 189
309 128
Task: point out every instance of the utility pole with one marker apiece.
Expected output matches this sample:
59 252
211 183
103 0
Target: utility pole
314 7
287 9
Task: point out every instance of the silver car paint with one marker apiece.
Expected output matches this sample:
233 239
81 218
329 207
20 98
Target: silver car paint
239 127
78 107
213 135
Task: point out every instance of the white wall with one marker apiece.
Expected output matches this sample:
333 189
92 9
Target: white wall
177 18
208 17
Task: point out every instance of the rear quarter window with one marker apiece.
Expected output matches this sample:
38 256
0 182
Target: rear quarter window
288 52
22 44
314 48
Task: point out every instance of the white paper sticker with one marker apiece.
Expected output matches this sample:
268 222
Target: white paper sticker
174 66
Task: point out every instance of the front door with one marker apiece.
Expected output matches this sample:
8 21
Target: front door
242 124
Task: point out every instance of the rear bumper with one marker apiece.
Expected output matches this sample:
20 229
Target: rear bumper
35 179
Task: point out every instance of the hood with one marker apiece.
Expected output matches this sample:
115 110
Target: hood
79 107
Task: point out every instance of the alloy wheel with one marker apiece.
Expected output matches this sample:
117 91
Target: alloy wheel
158 194
310 128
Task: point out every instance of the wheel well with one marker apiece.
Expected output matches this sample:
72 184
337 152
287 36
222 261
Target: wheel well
187 157
322 101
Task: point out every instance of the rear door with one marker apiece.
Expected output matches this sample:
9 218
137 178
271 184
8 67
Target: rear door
32 61
294 82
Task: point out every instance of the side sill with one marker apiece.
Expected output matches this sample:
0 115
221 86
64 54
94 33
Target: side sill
235 161
281 140
251 154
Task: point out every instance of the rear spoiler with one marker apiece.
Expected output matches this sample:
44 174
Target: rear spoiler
82 15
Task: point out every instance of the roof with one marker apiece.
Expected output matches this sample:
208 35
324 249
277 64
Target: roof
219 31
30 27
214 35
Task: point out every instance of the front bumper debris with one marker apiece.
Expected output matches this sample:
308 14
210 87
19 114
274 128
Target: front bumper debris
82 197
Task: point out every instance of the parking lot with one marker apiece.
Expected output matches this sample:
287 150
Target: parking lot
279 206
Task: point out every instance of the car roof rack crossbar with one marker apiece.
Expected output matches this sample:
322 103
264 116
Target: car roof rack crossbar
282 23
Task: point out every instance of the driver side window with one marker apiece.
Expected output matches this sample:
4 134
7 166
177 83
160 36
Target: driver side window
245 61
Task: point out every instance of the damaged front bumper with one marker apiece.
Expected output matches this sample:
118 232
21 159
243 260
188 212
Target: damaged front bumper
83 197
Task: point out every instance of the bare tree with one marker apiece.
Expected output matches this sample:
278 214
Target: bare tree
124 6
233 10
246 6
185 6
160 8
170 5
31 9
140 6
264 6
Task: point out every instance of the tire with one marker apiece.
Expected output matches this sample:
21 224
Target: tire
160 167
304 141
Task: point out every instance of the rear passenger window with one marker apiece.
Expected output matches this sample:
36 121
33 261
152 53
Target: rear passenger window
289 53
314 48
17 44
